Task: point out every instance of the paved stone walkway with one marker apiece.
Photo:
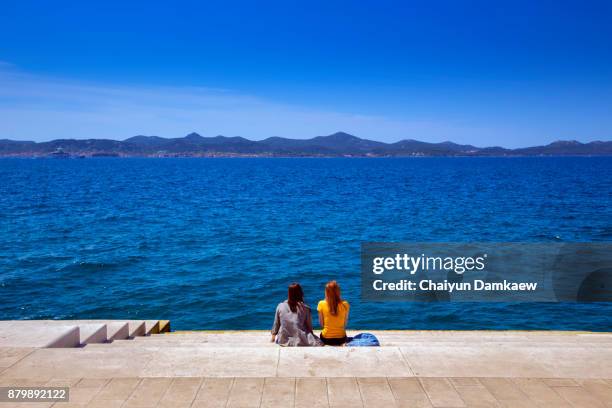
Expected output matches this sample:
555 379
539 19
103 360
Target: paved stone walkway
328 392
243 369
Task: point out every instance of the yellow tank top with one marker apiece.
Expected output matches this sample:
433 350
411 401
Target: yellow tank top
333 325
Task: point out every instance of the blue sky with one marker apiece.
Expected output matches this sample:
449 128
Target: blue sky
486 73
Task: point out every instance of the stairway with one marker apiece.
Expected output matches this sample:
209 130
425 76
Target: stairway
75 333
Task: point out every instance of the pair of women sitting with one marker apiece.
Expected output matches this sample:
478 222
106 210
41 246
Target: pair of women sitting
293 319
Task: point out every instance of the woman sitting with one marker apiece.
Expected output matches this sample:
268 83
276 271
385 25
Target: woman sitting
333 316
293 321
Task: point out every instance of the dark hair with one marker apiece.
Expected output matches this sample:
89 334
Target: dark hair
332 297
295 295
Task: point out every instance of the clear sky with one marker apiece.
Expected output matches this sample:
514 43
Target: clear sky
513 73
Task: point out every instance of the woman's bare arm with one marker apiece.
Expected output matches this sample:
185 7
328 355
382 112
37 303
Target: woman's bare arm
309 321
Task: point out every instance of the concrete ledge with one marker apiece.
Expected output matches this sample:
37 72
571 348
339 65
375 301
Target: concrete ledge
250 354
404 354
15 333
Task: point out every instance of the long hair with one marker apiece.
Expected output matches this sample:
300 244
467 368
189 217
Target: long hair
332 297
295 295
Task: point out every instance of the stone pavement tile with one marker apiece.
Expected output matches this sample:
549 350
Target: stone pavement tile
214 392
476 396
23 382
343 392
92 382
83 395
278 392
540 393
208 404
84 390
520 404
311 393
578 397
62 382
68 405
26 404
464 381
408 392
80 362
342 362
600 389
149 392
182 389
213 362
375 392
560 382
118 389
174 404
11 355
106 404
245 392
441 392
505 391
576 362
482 360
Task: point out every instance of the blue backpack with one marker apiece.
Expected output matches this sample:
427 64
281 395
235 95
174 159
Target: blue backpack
363 340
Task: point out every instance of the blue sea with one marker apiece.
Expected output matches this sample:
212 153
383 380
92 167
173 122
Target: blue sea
213 243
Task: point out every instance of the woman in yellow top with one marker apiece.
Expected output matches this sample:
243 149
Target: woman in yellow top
333 316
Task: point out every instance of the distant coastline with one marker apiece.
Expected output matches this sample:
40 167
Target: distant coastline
335 145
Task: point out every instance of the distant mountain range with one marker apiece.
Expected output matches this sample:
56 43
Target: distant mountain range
336 145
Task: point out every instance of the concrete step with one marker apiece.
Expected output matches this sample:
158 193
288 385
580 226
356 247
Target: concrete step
156 326
118 331
135 327
387 339
411 345
24 333
217 337
93 333
126 343
477 360
87 332
137 346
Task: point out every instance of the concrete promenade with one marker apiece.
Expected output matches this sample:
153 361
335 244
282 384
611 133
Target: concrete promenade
242 369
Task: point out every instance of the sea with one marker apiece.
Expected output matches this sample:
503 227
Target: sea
212 243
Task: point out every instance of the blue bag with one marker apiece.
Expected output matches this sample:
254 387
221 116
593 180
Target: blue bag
363 340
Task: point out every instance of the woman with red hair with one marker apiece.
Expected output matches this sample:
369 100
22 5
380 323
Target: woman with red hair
333 316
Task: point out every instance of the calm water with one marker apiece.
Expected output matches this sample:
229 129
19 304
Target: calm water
212 243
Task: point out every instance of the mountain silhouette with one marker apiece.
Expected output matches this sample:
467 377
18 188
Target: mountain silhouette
338 144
